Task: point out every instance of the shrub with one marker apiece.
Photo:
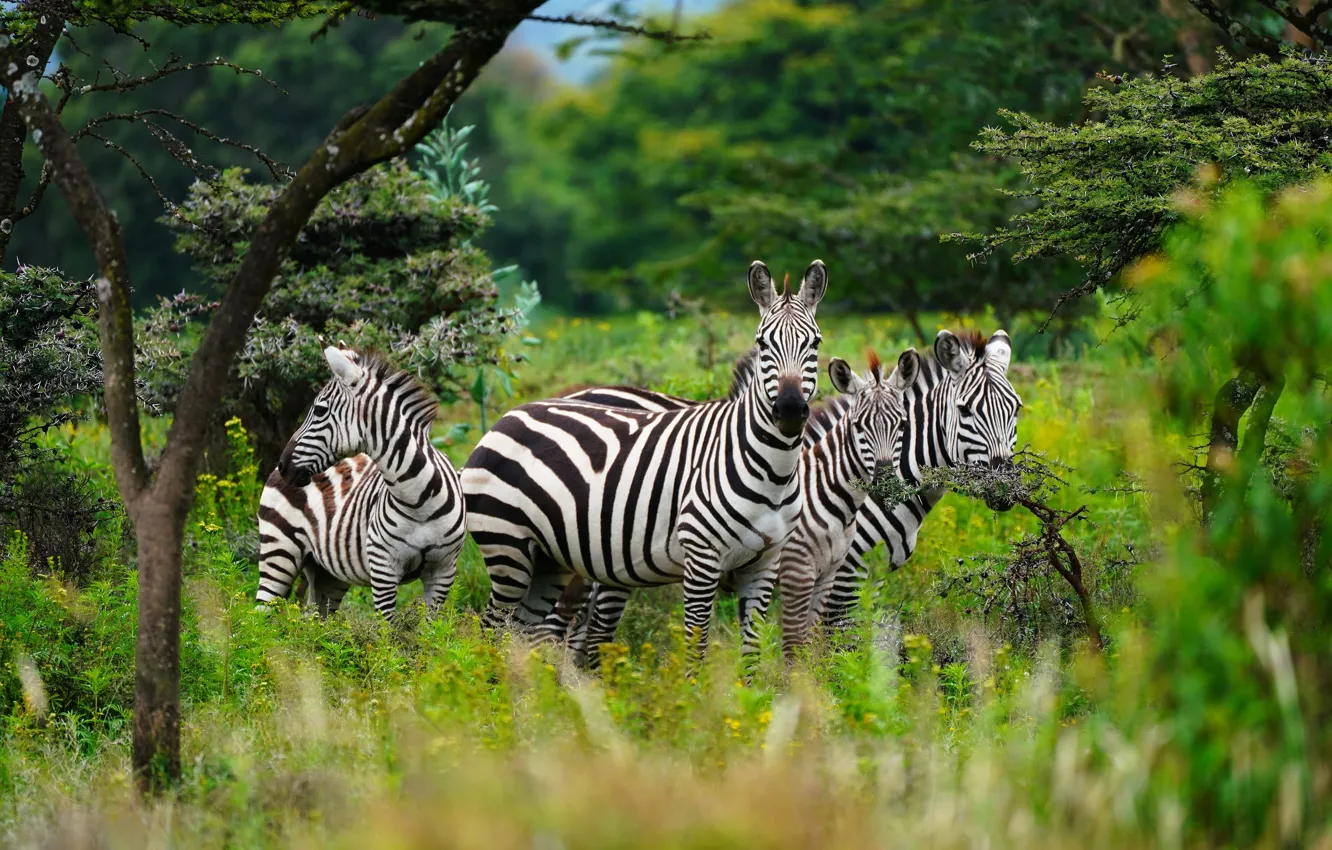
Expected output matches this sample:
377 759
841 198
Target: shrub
387 262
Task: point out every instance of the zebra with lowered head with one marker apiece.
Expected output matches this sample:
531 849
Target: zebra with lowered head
635 498
360 496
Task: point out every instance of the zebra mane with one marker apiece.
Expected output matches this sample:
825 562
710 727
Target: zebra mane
976 339
401 382
743 374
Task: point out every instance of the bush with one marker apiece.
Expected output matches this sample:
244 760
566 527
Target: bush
48 356
387 262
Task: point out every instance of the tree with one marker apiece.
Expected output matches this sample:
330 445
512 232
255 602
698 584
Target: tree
836 128
364 137
362 54
1104 191
48 355
385 263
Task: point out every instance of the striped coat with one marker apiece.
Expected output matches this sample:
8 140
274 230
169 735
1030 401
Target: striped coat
960 410
391 512
633 498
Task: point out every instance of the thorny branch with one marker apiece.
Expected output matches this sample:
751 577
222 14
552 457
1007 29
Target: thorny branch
1029 481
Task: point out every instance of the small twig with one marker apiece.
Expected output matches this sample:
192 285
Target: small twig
122 86
277 169
43 180
143 172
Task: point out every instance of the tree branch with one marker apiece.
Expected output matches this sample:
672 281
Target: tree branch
1238 29
391 127
1305 23
670 36
1232 400
1255 431
116 319
14 132
122 86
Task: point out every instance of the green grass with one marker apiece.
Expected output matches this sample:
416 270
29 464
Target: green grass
934 726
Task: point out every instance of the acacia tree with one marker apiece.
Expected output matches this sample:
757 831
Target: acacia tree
1103 192
367 135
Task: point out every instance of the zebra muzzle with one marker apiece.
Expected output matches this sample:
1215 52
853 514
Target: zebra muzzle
790 410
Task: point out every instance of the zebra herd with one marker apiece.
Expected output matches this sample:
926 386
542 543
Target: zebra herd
576 500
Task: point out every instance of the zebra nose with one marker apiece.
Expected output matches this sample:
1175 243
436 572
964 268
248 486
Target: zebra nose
1000 462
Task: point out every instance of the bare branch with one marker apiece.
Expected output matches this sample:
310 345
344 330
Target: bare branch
1238 29
123 85
143 172
36 52
277 169
35 199
1305 23
670 36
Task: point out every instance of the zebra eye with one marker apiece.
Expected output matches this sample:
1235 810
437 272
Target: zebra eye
817 341
320 409
761 343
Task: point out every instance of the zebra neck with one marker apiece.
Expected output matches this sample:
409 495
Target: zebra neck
405 460
929 434
837 461
752 433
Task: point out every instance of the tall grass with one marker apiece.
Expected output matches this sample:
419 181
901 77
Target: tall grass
934 725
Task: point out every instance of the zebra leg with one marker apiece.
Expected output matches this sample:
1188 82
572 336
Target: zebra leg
549 579
559 622
510 564
753 588
437 576
281 556
843 589
326 592
797 575
701 576
384 579
606 608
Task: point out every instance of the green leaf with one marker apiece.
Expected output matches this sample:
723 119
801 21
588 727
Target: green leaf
478 390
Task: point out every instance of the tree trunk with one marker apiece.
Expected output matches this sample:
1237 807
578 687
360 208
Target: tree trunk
1232 400
156 748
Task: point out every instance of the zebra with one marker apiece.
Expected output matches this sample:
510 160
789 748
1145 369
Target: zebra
638 498
835 471
960 410
390 514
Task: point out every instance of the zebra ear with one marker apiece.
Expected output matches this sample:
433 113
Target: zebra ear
843 377
950 352
344 369
761 287
815 284
908 369
999 351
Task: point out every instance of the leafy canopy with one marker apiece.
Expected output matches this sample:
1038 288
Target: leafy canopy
1103 190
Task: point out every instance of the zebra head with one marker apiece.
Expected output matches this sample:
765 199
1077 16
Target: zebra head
788 338
986 404
877 411
333 428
